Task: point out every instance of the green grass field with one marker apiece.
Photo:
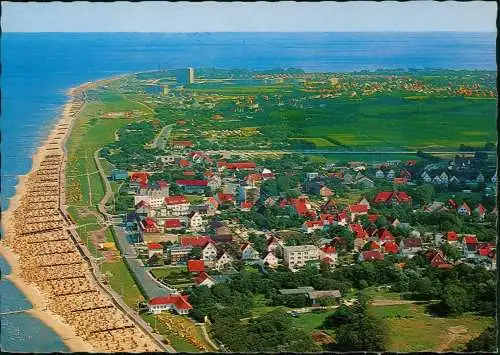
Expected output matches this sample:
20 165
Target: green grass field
410 328
311 321
121 280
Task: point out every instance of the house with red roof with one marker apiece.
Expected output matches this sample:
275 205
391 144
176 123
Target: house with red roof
204 279
139 177
325 192
302 207
370 255
480 211
328 254
395 197
436 258
177 303
364 201
372 217
155 248
357 210
182 144
148 225
194 241
196 266
311 226
410 246
225 198
172 224
358 230
374 245
470 246
246 206
221 165
275 245
390 247
464 210
385 235
177 205
212 204
451 237
327 219
400 181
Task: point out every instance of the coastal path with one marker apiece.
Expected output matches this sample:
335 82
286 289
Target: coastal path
109 192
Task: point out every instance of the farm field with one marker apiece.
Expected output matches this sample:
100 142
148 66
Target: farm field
411 329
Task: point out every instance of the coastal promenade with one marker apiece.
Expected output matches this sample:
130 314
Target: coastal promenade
52 267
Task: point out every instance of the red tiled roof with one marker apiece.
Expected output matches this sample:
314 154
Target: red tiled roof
327 260
202 276
312 224
300 206
469 239
188 173
383 196
391 247
357 208
246 205
192 182
481 209
176 200
196 265
374 245
372 218
172 223
180 302
385 235
400 181
224 197
402 196
184 163
140 177
154 246
328 249
451 236
484 251
237 165
183 143
143 185
149 222
199 242
213 201
358 230
330 218
372 255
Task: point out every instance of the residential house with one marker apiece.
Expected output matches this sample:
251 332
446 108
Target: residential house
195 220
410 246
275 245
385 235
212 205
359 243
390 175
209 252
370 255
193 186
364 201
246 206
311 226
155 248
390 247
480 211
395 197
297 256
379 174
177 205
358 230
470 246
223 260
221 165
426 177
248 252
172 224
365 182
480 178
270 259
179 254
452 237
316 296
204 279
357 210
118 174
464 210
147 225
328 254
177 303
454 180
437 260
196 266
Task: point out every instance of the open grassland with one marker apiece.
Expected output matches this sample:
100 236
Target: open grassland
120 280
411 329
178 343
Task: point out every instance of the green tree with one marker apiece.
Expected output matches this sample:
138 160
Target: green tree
485 342
455 299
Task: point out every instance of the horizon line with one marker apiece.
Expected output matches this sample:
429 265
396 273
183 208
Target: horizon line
309 31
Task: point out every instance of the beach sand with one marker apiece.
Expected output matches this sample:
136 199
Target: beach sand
34 294
39 310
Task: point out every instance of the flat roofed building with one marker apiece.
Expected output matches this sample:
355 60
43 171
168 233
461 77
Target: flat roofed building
298 255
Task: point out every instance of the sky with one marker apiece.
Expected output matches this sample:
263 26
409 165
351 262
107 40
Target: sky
359 16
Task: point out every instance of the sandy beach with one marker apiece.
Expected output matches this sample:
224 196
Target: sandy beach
103 328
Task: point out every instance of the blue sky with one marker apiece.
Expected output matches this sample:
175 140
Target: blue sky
359 16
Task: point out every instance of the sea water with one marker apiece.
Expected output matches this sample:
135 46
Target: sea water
37 70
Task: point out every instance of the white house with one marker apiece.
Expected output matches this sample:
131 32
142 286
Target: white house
379 174
298 255
275 245
248 252
311 226
454 180
177 205
464 210
204 279
209 252
444 177
469 246
155 248
222 261
177 303
410 246
390 175
329 254
195 220
270 259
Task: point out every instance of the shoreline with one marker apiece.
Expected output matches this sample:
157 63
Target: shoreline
37 299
